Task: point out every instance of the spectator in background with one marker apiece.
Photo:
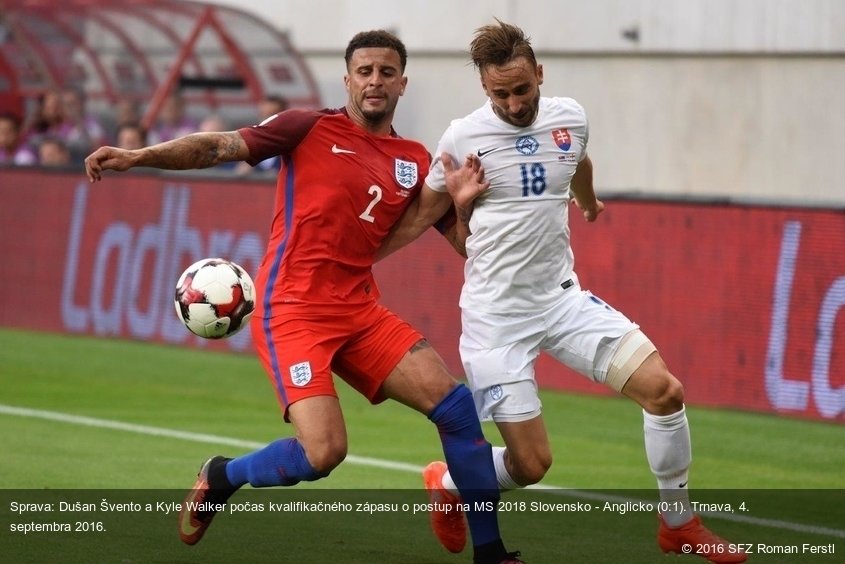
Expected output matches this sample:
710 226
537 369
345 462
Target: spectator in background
12 148
126 112
52 151
80 130
172 121
269 106
212 122
46 119
131 136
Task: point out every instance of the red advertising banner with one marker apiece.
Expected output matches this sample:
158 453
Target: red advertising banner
104 259
743 302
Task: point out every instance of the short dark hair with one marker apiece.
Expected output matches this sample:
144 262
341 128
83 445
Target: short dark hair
500 43
278 100
14 118
377 38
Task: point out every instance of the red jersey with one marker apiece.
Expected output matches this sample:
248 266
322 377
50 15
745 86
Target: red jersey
339 192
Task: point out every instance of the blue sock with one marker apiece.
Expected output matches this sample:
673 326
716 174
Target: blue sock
281 463
470 460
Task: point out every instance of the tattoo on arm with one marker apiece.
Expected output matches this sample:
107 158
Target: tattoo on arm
462 231
463 216
420 345
198 150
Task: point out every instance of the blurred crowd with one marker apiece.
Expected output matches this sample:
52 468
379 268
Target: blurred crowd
59 131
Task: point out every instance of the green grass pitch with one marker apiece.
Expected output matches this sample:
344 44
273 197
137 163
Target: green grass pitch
85 420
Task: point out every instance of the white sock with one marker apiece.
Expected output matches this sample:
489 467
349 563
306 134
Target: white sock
449 484
502 475
669 453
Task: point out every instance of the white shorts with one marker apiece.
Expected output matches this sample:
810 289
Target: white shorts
499 351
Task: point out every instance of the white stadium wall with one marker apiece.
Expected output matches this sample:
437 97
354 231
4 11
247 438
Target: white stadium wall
706 98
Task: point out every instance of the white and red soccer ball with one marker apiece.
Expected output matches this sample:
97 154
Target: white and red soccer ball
215 298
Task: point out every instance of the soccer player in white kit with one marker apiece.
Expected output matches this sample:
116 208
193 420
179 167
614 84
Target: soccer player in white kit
521 295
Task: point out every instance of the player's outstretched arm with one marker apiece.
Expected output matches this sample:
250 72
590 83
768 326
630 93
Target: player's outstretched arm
456 234
197 150
582 189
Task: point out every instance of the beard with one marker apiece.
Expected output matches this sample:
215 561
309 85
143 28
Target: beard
375 116
523 120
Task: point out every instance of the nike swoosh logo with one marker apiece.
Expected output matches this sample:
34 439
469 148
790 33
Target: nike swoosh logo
481 153
337 150
186 527
682 485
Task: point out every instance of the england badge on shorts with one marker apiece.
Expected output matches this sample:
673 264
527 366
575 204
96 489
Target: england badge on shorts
405 173
300 373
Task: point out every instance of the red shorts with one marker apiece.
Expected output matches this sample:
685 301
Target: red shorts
302 345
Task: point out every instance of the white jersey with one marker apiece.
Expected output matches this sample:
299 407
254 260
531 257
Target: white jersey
519 251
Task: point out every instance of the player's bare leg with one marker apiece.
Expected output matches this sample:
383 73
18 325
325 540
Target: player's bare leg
321 430
669 453
527 456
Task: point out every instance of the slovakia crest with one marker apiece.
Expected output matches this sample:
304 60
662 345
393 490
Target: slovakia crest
562 139
300 373
406 173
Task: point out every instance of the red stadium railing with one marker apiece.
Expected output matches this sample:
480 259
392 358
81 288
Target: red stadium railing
144 49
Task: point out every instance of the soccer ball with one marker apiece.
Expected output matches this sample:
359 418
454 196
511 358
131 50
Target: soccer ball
215 298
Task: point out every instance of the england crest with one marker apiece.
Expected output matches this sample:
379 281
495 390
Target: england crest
300 374
405 173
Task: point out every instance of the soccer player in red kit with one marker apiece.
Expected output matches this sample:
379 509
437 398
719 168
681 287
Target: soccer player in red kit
346 178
